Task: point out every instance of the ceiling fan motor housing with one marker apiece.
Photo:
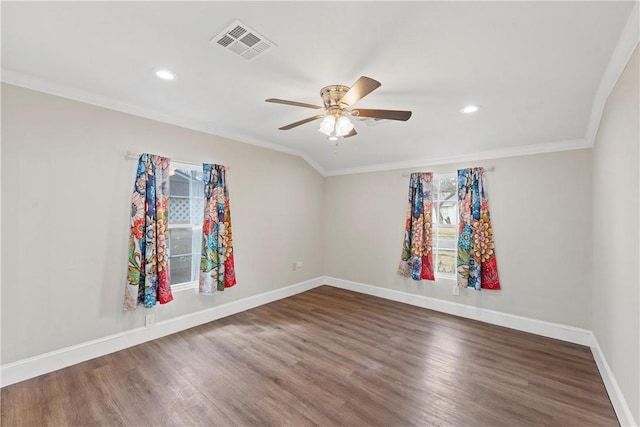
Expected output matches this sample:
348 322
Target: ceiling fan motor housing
331 95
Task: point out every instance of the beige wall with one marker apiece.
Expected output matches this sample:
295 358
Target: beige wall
541 213
616 213
569 239
66 191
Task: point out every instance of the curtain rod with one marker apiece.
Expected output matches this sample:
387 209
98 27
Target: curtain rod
488 169
134 156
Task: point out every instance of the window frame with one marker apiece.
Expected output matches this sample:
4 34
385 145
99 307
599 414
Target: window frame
172 226
436 226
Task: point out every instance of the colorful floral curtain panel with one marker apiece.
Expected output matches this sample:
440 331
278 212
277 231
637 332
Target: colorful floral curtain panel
148 275
217 270
476 264
417 257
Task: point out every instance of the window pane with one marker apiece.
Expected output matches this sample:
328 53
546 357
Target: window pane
448 233
446 238
447 189
445 213
180 269
185 210
180 241
446 261
179 183
186 200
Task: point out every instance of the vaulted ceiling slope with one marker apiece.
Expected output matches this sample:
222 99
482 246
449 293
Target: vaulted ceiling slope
539 71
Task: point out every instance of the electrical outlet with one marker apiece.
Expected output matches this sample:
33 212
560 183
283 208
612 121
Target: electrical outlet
149 320
456 290
299 264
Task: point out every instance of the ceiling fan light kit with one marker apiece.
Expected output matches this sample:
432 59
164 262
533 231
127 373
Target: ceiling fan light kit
334 127
327 125
337 102
343 126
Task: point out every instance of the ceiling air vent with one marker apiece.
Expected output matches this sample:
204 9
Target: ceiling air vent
243 41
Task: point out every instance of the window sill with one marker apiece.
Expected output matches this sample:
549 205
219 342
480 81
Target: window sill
184 286
451 278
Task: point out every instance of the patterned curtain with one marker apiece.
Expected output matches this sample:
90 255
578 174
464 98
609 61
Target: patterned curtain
477 267
217 270
148 276
417 258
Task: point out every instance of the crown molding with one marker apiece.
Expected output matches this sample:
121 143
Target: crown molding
41 85
622 53
525 150
629 39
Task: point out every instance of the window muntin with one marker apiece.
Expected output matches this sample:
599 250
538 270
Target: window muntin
186 210
445 225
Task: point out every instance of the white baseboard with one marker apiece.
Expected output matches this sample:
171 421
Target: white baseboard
31 367
24 369
525 324
625 417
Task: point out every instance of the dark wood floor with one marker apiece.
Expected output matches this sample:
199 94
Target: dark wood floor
326 357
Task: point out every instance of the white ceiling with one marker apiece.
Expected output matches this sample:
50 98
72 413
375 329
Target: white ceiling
535 68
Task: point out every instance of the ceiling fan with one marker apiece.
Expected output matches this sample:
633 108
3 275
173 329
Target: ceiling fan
338 103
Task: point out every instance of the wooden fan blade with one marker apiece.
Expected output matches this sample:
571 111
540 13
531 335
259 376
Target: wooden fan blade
363 87
350 134
297 104
301 122
382 114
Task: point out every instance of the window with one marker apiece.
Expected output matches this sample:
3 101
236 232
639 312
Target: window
445 224
186 209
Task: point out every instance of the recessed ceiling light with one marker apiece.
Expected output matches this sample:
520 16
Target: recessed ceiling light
469 109
165 75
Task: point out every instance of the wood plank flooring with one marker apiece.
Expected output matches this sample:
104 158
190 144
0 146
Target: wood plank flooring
325 357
